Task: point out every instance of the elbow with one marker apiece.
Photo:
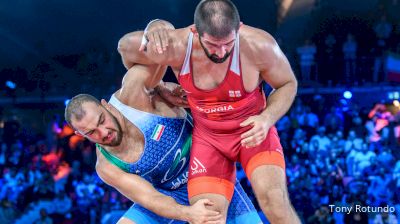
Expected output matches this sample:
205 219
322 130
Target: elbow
293 86
126 42
122 43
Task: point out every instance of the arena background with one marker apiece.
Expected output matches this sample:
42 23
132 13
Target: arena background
341 137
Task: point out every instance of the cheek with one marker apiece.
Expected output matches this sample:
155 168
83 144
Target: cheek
209 49
94 138
229 49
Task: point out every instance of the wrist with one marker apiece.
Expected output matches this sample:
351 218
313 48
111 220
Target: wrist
184 213
267 118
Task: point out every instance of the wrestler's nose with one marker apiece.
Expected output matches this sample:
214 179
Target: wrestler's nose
221 52
103 132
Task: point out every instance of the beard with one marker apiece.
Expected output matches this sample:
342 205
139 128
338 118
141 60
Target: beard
213 57
118 133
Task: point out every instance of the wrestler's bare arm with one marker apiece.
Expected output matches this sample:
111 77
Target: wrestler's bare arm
141 191
276 71
173 55
128 48
273 67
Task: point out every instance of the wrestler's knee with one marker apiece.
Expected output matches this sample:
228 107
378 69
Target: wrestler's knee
275 203
269 185
219 202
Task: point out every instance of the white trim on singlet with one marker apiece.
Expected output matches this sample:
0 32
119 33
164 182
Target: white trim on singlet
186 64
235 64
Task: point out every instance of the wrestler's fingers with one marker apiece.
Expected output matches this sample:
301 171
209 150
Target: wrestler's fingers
258 141
164 38
158 42
154 42
247 141
253 141
150 37
151 42
248 121
184 103
247 134
209 203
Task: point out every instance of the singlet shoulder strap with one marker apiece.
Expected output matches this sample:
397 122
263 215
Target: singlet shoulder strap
235 64
135 116
186 64
113 159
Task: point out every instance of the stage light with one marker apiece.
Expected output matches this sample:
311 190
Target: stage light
396 95
11 84
66 102
347 95
393 95
396 103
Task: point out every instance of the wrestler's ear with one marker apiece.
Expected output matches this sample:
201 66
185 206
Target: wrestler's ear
104 103
108 106
240 24
193 29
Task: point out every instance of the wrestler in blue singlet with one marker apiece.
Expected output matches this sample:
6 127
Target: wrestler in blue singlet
164 163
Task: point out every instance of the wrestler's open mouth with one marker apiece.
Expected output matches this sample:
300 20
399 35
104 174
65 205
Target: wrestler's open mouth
110 136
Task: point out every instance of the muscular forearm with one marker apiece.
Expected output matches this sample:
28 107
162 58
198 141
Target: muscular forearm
167 207
279 101
142 192
128 48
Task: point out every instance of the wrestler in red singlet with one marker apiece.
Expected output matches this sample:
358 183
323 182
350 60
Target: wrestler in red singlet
217 133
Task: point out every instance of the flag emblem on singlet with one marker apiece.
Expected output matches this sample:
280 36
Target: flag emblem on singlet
158 131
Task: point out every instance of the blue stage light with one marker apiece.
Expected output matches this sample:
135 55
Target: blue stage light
11 84
347 95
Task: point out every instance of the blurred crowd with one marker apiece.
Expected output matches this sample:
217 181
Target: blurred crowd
349 51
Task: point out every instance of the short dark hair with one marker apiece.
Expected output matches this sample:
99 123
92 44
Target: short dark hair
217 18
74 107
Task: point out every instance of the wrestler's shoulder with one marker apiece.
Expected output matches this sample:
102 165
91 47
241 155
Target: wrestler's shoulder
256 41
255 36
180 37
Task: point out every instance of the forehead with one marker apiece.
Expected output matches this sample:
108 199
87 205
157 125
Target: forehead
91 112
231 36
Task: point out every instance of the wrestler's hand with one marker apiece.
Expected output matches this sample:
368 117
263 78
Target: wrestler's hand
199 214
156 41
173 94
156 37
258 133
